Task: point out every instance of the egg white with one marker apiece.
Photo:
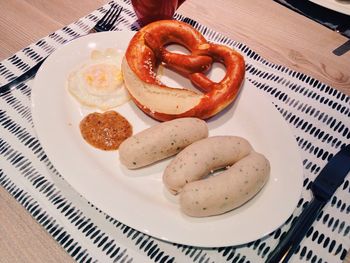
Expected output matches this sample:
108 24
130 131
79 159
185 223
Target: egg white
98 82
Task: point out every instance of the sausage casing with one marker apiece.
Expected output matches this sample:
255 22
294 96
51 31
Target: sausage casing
161 141
200 158
230 189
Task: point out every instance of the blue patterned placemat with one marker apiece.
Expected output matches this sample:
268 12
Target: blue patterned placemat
317 114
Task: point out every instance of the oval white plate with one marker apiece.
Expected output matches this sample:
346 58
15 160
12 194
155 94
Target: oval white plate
341 7
138 198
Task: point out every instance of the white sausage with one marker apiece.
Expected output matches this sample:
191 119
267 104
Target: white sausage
230 189
200 158
161 141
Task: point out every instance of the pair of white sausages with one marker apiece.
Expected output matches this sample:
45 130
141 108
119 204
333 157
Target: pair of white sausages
201 194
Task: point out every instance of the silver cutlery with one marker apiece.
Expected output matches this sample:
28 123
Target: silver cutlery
104 24
323 188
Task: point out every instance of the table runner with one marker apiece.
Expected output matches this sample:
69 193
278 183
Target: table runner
317 114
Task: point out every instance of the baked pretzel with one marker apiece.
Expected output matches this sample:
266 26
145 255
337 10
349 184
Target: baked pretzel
147 50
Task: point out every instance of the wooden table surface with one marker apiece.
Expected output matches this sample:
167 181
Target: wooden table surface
275 32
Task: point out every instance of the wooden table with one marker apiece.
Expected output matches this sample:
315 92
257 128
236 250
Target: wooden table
275 32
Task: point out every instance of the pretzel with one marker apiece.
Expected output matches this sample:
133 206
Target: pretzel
147 50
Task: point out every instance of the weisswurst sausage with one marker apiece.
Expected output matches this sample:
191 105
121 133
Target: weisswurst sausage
200 158
228 190
161 141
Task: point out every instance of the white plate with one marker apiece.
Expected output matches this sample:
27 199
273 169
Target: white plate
138 198
335 5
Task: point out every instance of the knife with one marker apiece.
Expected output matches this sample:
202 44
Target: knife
323 187
26 75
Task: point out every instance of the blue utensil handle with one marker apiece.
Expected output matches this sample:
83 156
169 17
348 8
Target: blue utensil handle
296 233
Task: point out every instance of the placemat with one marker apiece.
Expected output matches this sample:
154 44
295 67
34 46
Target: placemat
317 114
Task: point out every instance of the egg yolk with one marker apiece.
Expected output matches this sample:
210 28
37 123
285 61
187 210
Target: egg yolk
103 78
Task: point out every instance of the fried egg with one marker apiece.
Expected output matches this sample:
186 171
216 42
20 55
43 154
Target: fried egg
98 82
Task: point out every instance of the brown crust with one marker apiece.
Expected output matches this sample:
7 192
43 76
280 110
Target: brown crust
146 51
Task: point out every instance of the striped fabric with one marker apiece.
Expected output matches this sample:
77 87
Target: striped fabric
317 114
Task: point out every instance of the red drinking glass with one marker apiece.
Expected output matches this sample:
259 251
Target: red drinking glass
148 11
